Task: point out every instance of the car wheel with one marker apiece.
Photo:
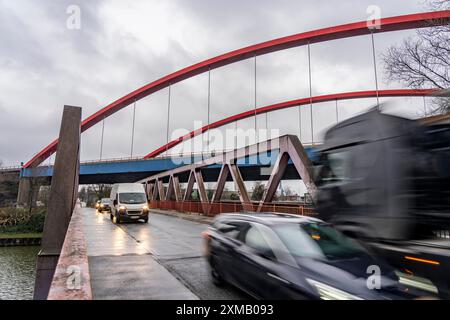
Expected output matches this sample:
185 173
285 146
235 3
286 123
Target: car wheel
216 275
111 216
146 220
117 219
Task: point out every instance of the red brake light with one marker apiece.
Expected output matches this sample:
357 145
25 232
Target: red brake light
422 260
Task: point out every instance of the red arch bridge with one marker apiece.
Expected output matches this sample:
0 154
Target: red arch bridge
240 164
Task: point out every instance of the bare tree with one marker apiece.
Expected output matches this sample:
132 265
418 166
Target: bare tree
101 190
423 61
258 191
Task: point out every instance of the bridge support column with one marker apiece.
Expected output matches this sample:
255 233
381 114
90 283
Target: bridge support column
28 193
63 196
24 195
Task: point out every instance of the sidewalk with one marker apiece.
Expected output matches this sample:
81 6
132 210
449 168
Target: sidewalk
186 216
124 264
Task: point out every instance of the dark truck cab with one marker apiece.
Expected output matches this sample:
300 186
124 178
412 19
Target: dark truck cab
385 180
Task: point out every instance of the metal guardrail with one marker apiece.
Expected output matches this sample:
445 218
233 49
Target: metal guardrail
213 209
125 159
160 157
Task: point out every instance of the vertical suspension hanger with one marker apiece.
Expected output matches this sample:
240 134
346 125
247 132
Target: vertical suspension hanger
337 112
425 106
310 94
375 68
300 121
132 130
101 141
235 135
209 109
255 101
168 120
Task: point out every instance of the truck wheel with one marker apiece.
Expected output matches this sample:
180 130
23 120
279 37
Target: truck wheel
146 220
111 216
117 219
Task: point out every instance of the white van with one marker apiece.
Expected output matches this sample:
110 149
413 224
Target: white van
129 202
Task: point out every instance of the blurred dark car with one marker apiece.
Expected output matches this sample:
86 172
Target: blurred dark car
105 205
281 256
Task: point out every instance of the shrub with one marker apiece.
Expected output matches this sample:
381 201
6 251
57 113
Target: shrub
234 196
37 220
21 220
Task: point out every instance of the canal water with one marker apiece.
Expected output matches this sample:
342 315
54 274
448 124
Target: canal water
17 272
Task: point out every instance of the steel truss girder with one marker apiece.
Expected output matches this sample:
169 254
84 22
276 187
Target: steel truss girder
289 147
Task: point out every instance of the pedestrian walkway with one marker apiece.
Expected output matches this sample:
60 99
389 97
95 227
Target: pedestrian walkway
123 267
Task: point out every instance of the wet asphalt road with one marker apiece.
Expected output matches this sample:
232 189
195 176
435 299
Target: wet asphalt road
159 260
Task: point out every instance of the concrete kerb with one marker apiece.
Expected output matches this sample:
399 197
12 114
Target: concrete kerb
72 279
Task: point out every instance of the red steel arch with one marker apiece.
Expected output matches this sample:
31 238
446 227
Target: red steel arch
411 21
294 103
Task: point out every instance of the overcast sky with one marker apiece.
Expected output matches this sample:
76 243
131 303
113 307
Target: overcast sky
123 45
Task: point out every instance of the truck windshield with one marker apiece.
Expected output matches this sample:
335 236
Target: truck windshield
317 240
338 165
132 197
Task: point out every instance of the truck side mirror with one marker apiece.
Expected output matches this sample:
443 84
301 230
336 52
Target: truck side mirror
115 202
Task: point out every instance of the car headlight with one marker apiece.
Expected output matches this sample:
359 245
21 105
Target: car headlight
327 292
123 208
145 208
102 205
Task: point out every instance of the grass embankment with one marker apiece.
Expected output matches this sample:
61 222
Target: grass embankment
20 235
17 223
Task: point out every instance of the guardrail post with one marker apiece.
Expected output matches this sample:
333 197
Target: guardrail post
63 196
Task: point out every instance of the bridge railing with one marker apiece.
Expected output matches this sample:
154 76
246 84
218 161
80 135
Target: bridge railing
206 154
158 157
213 209
10 168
